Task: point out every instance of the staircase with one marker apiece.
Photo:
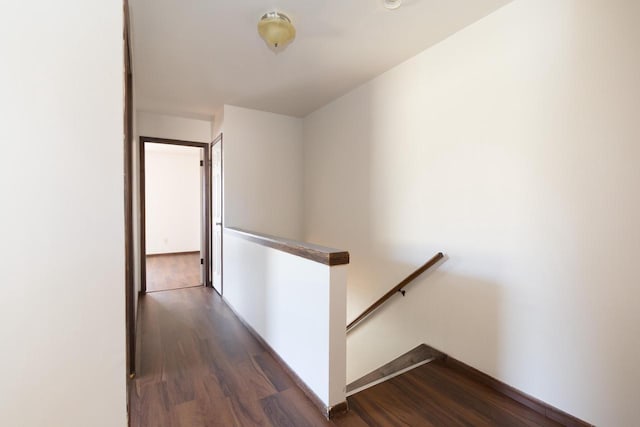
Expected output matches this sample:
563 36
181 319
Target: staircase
425 387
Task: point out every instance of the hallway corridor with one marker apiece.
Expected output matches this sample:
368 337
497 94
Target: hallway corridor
199 366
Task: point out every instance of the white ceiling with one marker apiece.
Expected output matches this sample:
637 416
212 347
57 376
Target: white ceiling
193 56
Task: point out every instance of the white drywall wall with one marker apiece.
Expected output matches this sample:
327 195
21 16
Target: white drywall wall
172 198
513 147
296 305
62 300
217 123
262 163
174 127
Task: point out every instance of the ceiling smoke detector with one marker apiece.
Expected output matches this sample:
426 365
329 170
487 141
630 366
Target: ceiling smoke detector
276 29
392 4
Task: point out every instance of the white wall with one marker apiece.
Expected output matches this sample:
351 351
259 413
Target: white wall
217 123
62 303
172 192
296 305
262 163
174 127
513 147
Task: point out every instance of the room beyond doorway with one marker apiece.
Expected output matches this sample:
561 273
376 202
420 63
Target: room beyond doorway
173 195
175 201
173 271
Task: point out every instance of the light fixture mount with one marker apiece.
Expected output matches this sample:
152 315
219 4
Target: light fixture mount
392 4
276 29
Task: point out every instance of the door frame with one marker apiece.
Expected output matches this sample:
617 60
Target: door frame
130 309
205 255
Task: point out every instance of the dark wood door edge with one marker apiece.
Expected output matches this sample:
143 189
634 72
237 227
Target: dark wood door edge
328 411
142 232
317 253
531 402
181 142
130 320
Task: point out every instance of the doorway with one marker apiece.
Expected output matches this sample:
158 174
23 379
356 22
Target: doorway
173 197
175 208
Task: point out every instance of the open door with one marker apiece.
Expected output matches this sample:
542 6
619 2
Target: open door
216 237
204 241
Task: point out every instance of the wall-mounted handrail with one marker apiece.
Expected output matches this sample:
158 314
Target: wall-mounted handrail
398 288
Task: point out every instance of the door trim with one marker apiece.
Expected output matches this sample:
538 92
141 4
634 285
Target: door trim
206 146
130 309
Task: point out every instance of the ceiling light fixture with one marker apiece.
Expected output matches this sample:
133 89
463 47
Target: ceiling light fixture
276 29
392 4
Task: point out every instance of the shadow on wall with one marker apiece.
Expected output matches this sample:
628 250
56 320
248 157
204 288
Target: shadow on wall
437 304
386 274
367 200
338 190
250 296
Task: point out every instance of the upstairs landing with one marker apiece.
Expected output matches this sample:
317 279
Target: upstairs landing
199 366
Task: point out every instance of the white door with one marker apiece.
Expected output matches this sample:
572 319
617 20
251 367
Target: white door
216 238
203 218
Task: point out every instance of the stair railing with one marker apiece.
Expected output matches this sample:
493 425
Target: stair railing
398 288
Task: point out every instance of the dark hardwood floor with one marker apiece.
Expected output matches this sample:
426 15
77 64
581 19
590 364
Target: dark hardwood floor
435 395
173 271
199 366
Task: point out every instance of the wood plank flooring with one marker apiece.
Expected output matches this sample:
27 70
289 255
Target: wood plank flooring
199 366
173 271
435 395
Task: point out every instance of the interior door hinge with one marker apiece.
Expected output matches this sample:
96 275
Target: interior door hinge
201 261
201 162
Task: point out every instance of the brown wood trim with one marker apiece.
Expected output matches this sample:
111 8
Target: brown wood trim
373 307
337 410
531 402
155 140
416 355
130 320
142 225
206 146
328 411
175 253
317 253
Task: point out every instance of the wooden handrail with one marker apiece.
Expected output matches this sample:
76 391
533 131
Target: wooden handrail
398 288
317 253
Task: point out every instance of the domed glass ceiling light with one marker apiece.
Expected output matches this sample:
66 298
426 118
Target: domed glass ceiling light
392 4
276 29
